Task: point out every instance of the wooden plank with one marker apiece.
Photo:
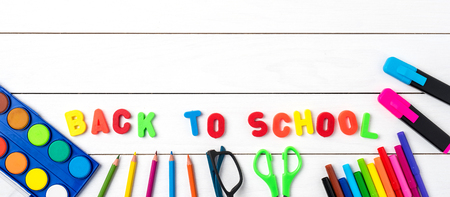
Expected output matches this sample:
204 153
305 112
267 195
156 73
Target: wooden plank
326 16
174 131
306 183
214 63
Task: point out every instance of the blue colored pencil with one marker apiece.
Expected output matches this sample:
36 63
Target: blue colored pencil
171 175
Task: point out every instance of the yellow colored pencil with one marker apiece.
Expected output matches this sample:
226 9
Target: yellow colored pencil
131 176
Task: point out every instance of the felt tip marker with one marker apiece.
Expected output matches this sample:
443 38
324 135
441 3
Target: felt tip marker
403 110
367 178
384 177
390 171
351 180
412 163
334 181
401 177
414 77
345 188
406 171
328 188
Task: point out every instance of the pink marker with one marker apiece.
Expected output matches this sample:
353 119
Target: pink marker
400 176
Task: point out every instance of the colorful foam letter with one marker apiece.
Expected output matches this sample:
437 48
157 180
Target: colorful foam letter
365 128
99 123
220 123
145 123
75 122
116 121
192 115
276 125
299 122
343 122
257 124
330 126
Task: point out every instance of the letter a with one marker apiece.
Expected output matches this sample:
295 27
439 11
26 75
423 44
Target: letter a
99 123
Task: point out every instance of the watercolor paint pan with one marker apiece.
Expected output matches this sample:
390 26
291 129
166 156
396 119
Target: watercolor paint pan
25 132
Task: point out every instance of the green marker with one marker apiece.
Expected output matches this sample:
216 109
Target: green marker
361 184
109 177
367 177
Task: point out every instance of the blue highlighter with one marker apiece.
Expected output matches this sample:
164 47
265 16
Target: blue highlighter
412 163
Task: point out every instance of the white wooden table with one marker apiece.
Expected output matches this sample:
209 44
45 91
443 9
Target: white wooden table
230 57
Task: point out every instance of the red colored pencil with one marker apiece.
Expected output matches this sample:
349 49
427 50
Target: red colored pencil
152 175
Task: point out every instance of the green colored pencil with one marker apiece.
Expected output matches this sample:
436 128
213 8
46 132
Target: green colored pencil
109 177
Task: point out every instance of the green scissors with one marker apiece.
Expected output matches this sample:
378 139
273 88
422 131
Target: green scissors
287 176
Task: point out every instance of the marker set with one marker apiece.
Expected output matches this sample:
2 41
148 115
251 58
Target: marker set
389 176
403 110
36 156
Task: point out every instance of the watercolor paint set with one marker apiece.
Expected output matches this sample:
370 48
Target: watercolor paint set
36 156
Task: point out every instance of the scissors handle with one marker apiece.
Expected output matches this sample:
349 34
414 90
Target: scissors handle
289 176
269 178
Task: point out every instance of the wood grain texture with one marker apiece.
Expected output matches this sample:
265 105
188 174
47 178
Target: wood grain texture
234 58
290 16
215 63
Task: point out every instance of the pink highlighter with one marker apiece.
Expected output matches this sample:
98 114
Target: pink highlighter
400 176
407 171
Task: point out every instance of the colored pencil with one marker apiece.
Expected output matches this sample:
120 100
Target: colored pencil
191 177
152 175
131 176
171 175
109 177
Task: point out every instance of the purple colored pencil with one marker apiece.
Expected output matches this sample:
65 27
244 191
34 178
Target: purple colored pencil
152 175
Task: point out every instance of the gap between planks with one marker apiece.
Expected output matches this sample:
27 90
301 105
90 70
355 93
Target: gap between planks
318 154
230 33
205 93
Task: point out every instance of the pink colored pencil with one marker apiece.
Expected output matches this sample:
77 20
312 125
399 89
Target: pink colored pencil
152 175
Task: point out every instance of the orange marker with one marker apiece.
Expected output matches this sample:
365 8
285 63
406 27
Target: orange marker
191 177
384 177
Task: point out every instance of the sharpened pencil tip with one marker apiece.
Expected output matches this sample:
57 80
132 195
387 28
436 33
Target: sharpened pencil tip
189 160
118 156
156 152
134 153
171 153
